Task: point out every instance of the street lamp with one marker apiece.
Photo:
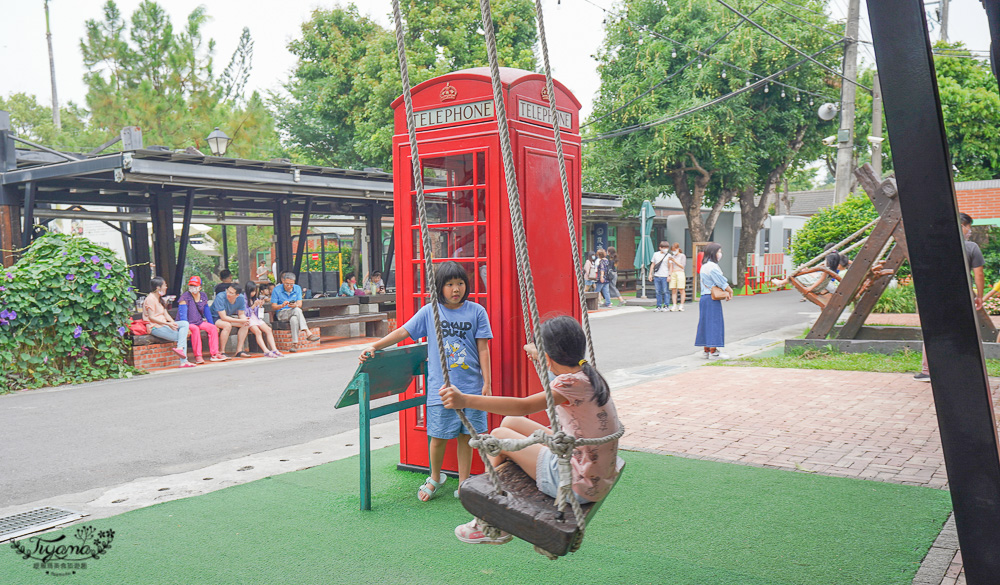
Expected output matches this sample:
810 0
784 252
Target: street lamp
218 142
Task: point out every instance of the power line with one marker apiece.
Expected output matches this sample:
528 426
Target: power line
672 75
812 24
647 125
789 45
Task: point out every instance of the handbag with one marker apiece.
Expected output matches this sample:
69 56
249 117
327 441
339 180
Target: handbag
138 327
719 294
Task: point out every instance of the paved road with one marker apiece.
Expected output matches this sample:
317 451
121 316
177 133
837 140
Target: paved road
640 338
71 439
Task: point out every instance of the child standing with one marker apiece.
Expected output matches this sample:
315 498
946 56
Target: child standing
466 330
585 410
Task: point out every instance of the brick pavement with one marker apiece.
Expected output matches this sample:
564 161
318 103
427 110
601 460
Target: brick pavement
864 425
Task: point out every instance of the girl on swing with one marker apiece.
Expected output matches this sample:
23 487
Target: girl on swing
466 333
584 408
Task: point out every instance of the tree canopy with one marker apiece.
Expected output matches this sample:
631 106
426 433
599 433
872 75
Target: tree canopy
971 108
338 107
659 62
144 72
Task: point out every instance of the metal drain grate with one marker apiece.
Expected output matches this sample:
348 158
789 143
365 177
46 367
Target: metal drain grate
35 520
654 370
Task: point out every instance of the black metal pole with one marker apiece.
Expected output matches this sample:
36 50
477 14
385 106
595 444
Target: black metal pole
303 232
225 246
175 285
941 277
28 231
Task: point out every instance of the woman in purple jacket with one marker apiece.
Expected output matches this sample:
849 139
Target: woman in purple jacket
193 308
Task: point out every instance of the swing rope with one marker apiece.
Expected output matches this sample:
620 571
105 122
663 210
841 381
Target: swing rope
560 443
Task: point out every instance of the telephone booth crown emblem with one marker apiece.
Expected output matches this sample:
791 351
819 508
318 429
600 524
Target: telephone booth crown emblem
448 93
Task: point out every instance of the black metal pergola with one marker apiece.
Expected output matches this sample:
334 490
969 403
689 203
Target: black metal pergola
155 188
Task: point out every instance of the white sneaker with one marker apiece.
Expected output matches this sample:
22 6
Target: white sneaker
673 308
656 310
706 355
715 355
681 308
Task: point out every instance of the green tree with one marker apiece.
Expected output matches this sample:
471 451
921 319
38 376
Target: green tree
971 108
831 225
146 73
33 121
338 107
739 149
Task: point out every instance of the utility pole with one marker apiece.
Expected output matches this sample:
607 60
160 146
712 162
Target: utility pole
848 88
52 72
944 20
877 126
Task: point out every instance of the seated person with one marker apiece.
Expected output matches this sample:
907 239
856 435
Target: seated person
229 311
286 300
349 288
374 284
227 278
161 324
193 308
255 312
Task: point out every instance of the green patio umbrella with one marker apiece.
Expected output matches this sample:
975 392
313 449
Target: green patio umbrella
644 250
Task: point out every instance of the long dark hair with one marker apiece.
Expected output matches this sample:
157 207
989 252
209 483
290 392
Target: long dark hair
250 288
565 342
711 253
450 270
156 283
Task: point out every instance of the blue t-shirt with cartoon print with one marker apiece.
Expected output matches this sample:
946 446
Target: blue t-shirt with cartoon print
461 328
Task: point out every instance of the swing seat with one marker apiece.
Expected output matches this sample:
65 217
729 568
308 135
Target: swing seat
526 512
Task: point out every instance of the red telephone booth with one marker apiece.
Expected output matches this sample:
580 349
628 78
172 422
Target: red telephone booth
469 218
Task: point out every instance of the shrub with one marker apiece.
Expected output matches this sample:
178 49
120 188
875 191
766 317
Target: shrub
831 225
64 311
900 299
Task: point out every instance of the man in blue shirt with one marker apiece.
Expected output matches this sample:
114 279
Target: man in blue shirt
229 310
287 301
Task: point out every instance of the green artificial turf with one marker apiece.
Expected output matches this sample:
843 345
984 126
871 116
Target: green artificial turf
670 520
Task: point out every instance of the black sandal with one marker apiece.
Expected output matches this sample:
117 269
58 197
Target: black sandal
243 354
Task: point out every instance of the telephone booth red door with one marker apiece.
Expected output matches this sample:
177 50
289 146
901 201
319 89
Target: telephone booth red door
469 218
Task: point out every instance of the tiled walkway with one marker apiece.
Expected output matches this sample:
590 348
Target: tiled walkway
871 426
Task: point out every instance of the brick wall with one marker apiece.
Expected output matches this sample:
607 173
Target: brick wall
979 203
283 339
155 356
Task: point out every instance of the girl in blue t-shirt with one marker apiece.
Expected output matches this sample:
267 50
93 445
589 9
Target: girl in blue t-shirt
466 332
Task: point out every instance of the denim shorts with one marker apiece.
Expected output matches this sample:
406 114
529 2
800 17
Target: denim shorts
443 423
547 475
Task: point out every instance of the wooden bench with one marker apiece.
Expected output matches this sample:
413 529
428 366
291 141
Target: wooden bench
376 324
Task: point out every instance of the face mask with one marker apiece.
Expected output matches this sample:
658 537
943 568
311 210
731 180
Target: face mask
194 289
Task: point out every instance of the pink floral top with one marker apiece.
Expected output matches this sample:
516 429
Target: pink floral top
594 467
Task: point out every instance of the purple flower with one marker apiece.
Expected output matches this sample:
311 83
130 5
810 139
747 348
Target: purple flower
64 252
121 332
45 359
70 276
107 266
4 314
131 276
10 276
83 259
97 274
95 288
3 288
11 315
95 259
77 332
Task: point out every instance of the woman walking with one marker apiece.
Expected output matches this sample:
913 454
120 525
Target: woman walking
711 328
603 278
613 265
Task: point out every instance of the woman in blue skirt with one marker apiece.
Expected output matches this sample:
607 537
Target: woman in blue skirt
711 328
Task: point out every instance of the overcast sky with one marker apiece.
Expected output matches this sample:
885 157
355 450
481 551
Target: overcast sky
574 31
